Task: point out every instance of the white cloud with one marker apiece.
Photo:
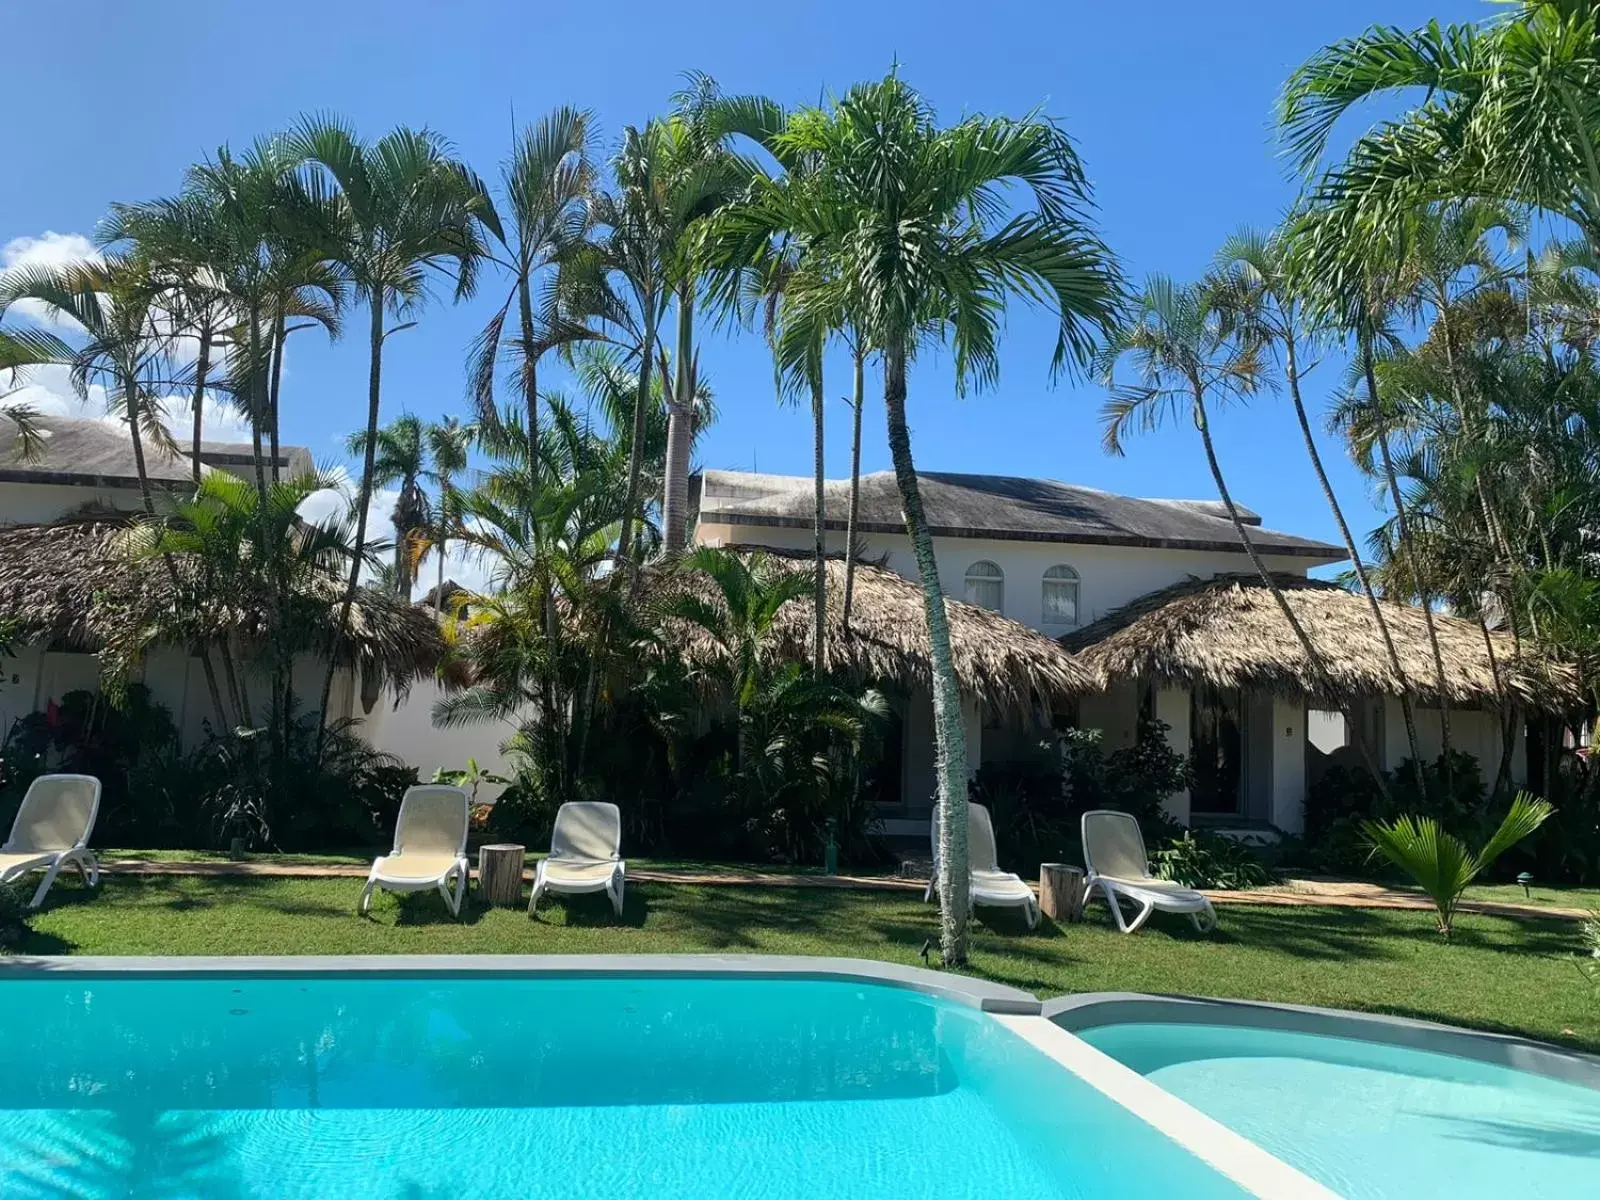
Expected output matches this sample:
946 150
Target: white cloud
49 390
49 249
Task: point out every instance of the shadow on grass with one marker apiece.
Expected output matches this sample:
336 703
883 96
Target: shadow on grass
593 909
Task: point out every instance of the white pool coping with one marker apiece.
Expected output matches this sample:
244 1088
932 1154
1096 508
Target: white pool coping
1219 1147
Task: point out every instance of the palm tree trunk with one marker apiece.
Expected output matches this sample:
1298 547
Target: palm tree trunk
202 367
241 704
949 728
641 410
680 432
1291 362
530 375
273 431
819 585
1319 668
442 534
212 690
855 488
364 497
1393 482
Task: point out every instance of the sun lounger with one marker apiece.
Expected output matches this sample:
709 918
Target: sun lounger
1117 865
990 885
52 831
430 848
585 854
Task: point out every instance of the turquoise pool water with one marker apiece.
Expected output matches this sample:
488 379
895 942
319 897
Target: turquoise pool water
1377 1122
436 1086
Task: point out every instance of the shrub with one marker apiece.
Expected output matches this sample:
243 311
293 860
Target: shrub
1199 859
1036 802
15 916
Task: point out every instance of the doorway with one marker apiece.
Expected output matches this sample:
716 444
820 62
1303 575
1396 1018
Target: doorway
1216 750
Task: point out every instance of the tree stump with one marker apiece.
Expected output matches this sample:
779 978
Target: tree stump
1061 891
500 873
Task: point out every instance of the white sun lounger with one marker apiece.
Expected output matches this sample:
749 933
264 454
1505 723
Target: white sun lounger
430 847
52 831
1116 863
585 854
990 885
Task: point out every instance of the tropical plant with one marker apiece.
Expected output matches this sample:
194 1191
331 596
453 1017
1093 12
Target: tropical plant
401 461
19 350
448 442
1440 863
537 229
404 206
914 231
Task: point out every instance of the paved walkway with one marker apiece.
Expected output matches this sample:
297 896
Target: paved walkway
1292 893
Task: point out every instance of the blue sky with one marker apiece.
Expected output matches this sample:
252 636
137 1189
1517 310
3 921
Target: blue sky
1170 105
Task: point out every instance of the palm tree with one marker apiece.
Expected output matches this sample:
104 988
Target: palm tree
547 186
1190 353
114 302
19 350
447 444
623 274
908 234
858 397
401 458
703 176
1257 288
1508 113
404 206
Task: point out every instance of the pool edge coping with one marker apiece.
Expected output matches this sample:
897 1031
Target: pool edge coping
981 994
1088 1010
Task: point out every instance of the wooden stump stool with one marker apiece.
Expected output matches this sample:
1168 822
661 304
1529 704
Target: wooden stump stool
500 873
1061 891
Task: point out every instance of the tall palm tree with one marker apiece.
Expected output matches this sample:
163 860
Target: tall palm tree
625 274
1258 288
703 175
1507 111
114 303
1189 353
908 234
20 349
447 444
401 459
404 206
542 220
858 398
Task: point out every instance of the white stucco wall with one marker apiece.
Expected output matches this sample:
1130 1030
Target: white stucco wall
1108 576
1288 739
38 503
1472 731
408 732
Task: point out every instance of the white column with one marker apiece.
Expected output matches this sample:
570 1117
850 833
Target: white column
1172 709
1288 764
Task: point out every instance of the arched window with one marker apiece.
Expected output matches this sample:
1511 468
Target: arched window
986 585
1061 596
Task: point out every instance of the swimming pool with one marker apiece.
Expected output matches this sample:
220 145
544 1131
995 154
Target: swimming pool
1374 1120
586 1084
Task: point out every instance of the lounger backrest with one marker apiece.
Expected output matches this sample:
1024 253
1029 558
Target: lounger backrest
1113 845
433 820
981 852
587 829
57 813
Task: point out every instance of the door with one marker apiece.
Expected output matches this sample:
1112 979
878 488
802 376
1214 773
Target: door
1216 750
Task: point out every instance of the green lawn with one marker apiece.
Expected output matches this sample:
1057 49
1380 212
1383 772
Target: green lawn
1499 973
1552 897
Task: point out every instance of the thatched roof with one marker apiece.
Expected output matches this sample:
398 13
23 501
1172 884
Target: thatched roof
1228 631
70 583
1005 664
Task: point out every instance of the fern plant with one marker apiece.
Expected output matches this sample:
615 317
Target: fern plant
1440 863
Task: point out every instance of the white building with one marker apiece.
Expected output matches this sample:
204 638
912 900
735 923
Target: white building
1062 560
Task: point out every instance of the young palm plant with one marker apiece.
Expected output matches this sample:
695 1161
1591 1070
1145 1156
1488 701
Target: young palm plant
1440 863
401 460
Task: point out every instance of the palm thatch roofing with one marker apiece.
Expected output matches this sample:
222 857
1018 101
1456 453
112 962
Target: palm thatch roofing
1001 662
71 584
1229 632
